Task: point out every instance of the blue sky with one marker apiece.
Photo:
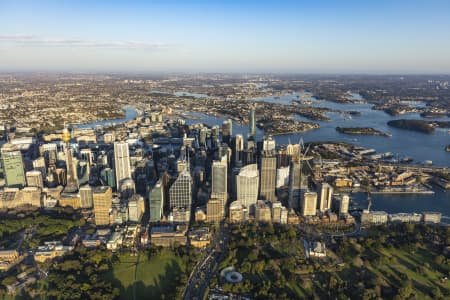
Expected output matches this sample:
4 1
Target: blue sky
226 36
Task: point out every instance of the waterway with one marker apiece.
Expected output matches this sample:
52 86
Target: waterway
404 143
130 113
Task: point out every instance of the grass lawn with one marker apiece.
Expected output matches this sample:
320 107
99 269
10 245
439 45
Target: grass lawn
154 277
402 262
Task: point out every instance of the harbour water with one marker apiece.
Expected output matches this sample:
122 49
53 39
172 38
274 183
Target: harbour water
130 113
403 143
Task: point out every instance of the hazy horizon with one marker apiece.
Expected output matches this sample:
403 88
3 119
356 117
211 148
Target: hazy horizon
282 37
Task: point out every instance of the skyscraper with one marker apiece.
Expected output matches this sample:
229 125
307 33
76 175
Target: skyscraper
268 175
269 143
121 162
247 182
180 193
156 199
219 180
86 196
238 148
343 205
325 194
215 210
268 170
294 184
309 204
227 131
102 198
252 123
13 166
72 181
107 177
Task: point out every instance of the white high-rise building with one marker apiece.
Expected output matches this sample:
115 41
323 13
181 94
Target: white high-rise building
247 184
121 162
343 207
309 204
282 177
325 195
86 196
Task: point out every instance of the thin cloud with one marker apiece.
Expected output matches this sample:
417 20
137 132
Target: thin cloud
37 41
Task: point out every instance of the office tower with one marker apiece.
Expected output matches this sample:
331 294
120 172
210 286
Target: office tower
102 198
203 135
282 177
180 193
215 210
83 171
268 175
156 199
109 138
238 148
127 188
108 178
219 180
325 194
87 156
227 131
309 204
13 166
298 180
343 205
248 155
71 177
294 184
49 152
136 208
122 167
269 144
252 123
247 182
60 177
215 131
39 165
34 178
86 196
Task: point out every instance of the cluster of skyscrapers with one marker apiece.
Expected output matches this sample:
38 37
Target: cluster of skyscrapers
191 169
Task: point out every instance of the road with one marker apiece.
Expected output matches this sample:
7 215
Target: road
206 268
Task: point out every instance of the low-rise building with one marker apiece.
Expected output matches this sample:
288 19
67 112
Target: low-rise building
115 241
262 212
168 235
8 258
200 237
374 217
50 250
317 249
405 217
431 217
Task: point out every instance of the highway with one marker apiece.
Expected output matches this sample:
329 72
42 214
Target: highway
206 268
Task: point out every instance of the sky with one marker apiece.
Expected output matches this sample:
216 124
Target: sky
345 36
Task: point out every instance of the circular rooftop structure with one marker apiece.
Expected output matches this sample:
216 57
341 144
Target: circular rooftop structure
231 276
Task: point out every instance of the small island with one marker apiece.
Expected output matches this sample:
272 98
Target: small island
362 131
415 125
